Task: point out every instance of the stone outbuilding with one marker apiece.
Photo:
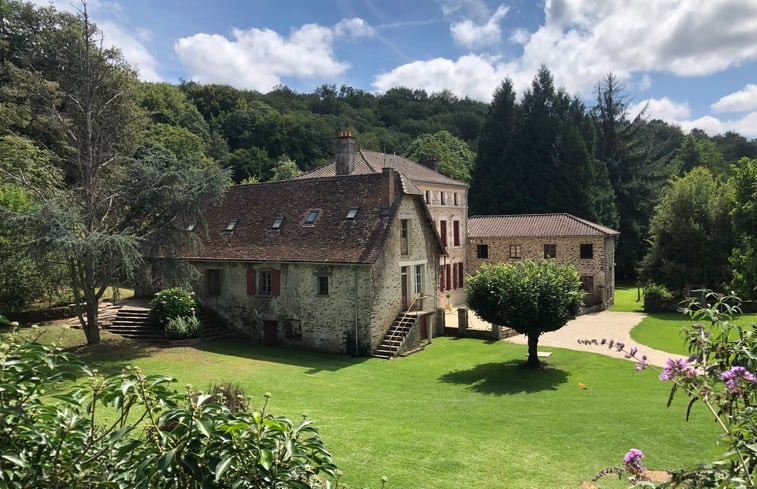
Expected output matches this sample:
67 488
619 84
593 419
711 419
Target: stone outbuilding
323 263
588 246
446 199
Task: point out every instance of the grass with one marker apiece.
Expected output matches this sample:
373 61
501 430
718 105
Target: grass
461 413
662 331
626 299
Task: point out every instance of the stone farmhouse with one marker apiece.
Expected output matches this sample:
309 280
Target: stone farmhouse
327 263
445 198
588 246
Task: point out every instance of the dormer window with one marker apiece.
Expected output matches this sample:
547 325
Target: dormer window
352 212
312 216
278 222
231 225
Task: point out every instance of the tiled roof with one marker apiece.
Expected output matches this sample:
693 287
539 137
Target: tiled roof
534 225
332 239
367 162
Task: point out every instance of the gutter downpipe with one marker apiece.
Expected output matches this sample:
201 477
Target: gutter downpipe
357 322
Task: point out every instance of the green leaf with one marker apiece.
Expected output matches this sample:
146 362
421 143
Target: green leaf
202 425
221 468
16 460
266 459
166 460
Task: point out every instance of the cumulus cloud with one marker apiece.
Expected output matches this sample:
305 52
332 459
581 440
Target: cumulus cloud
469 34
743 100
583 40
679 113
258 58
133 47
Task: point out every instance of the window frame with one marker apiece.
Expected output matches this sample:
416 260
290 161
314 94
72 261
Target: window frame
311 217
442 200
265 282
516 252
482 251
404 237
418 277
443 231
583 253
322 285
550 250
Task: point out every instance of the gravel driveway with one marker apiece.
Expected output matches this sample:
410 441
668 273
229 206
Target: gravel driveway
610 325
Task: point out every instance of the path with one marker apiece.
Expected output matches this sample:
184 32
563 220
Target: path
611 325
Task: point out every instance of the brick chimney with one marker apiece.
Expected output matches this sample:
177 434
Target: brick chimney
430 162
345 153
387 181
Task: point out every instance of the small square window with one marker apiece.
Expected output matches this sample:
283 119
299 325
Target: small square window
322 285
277 222
312 216
352 213
587 251
515 251
231 225
550 251
482 251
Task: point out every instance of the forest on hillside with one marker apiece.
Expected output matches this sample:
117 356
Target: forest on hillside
82 140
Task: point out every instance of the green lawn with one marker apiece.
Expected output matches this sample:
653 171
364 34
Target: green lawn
461 413
626 299
662 331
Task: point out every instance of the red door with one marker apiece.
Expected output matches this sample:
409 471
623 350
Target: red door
403 278
270 332
424 328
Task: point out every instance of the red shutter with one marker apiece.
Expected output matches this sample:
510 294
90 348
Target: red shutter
441 278
251 281
275 282
456 233
443 232
454 275
449 279
461 280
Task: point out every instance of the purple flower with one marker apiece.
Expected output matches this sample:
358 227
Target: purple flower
677 368
603 341
620 346
632 461
735 376
634 351
692 358
643 364
609 345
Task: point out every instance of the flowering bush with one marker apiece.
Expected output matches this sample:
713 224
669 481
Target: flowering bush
720 374
173 303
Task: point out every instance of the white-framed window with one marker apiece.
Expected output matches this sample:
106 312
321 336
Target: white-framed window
418 273
265 282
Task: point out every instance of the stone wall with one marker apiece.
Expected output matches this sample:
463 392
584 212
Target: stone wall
601 267
449 212
303 318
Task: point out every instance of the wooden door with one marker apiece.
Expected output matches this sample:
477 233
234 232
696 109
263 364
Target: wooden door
423 326
270 332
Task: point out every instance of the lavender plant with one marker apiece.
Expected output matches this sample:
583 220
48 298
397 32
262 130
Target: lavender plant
719 373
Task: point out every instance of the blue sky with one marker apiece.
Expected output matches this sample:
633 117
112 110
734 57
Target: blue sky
689 62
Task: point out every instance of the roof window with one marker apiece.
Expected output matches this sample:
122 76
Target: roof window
312 216
231 225
352 212
277 222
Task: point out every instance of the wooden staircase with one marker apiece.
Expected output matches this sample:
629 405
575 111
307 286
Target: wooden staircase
394 339
135 323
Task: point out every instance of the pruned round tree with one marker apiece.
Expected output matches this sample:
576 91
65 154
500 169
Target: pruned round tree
530 297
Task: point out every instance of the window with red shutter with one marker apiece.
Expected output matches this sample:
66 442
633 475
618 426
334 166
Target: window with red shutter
251 281
456 233
454 275
443 232
275 282
461 280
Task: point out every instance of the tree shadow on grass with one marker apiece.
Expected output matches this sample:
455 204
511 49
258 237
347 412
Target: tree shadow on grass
509 377
314 360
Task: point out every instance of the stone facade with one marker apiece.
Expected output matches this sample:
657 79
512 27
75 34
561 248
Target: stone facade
593 255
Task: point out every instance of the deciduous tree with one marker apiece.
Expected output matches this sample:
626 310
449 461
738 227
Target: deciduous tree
530 297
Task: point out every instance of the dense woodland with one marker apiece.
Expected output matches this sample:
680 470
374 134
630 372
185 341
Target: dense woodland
79 131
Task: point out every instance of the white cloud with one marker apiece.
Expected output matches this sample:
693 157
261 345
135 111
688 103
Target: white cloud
133 48
664 109
645 83
472 75
743 100
353 28
469 34
520 36
258 58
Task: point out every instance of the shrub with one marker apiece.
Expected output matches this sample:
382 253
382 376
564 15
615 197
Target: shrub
155 437
657 298
172 303
183 327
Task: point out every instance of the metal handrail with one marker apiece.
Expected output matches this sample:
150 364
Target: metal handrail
405 316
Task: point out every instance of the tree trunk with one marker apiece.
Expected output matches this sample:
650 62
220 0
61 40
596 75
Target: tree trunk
533 358
92 328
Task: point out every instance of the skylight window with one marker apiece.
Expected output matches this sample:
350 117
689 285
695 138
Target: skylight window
312 216
231 225
277 222
352 212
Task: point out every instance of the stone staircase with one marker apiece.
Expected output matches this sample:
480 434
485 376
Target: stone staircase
135 323
392 342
